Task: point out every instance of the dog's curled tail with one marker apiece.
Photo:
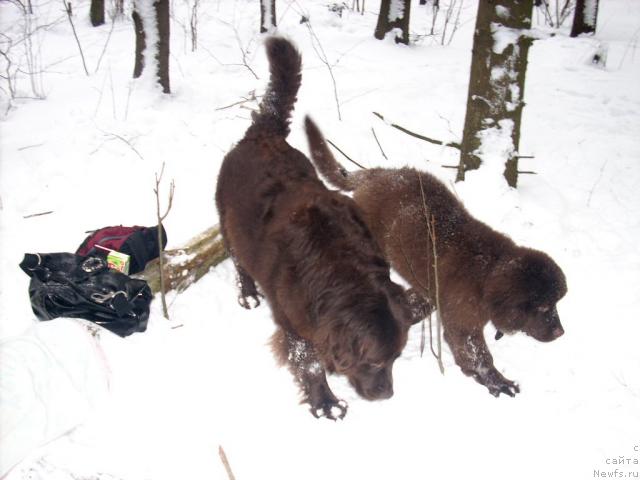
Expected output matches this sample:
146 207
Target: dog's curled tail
324 160
285 65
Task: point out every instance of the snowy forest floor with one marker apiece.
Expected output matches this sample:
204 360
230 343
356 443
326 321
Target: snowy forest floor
157 405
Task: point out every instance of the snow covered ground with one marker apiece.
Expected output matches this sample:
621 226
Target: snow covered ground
158 405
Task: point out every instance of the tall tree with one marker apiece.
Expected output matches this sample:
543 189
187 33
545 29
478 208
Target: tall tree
96 12
394 14
151 21
585 17
496 84
267 15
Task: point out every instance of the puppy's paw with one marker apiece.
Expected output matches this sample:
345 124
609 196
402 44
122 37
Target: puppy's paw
331 409
503 386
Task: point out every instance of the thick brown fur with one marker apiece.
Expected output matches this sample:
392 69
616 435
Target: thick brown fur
482 274
311 253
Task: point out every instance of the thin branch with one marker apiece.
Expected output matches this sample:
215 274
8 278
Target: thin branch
417 135
244 51
67 7
171 192
378 142
345 155
38 214
317 46
252 97
161 218
30 146
431 230
604 165
106 43
115 135
225 462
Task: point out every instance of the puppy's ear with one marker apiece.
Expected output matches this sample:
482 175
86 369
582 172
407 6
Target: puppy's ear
504 292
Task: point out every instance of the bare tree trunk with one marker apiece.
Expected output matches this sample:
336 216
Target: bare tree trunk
585 17
161 58
497 80
394 14
193 23
119 7
267 15
141 43
163 19
196 258
96 12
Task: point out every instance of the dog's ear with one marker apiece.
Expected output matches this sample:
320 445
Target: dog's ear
336 347
406 306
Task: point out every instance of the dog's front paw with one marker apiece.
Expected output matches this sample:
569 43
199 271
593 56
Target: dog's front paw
419 306
331 409
244 300
497 384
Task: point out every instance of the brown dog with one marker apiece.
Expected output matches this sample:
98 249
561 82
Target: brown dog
311 253
482 275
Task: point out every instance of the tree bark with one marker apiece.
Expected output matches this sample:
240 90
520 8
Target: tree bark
96 12
394 14
497 80
185 266
161 60
585 17
141 44
163 19
267 15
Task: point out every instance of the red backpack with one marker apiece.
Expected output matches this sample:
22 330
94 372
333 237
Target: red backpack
140 243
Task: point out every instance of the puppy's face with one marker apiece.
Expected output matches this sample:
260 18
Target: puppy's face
523 293
543 323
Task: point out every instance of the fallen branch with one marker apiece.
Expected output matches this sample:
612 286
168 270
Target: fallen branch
251 98
417 135
185 266
225 462
345 155
378 142
38 214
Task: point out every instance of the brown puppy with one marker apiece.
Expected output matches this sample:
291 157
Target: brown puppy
482 274
311 253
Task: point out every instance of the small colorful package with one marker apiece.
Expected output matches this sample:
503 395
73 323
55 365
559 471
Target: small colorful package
118 261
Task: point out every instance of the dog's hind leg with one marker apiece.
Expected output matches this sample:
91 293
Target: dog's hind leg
302 360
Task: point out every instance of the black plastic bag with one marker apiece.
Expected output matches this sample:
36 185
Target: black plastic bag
68 285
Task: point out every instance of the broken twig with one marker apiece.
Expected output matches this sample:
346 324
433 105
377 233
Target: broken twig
225 462
378 142
345 155
417 135
38 214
